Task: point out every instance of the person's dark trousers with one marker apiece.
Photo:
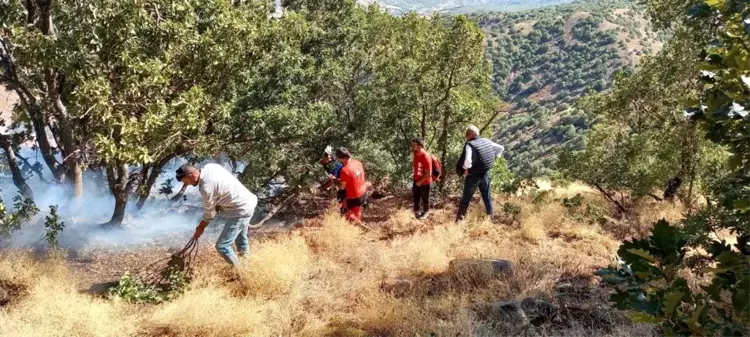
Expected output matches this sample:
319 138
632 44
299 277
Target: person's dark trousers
470 186
421 196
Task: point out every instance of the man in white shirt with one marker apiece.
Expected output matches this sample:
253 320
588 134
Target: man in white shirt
219 187
477 160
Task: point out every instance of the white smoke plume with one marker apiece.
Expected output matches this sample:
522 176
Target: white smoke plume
159 222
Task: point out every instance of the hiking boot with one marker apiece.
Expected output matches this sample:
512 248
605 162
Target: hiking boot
424 215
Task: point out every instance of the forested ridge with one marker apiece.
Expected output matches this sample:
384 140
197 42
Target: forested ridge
460 6
545 59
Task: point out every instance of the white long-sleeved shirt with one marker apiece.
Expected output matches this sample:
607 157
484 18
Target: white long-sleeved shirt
219 187
499 149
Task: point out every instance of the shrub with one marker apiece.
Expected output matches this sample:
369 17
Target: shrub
53 226
649 284
25 209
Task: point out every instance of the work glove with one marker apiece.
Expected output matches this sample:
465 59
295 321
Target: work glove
198 232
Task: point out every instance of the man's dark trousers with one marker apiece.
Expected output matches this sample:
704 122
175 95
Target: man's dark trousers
421 194
471 183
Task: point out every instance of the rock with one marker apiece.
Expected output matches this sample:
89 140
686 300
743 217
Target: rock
477 272
505 312
399 287
102 288
565 287
484 266
539 312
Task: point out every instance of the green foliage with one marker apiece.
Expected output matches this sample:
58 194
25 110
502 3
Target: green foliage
649 280
503 180
642 140
726 77
24 210
649 284
53 226
618 160
512 209
399 77
140 82
130 288
167 187
572 204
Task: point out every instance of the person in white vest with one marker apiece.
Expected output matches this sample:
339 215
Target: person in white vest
219 187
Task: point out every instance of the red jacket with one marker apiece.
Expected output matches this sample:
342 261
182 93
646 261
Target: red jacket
353 174
422 165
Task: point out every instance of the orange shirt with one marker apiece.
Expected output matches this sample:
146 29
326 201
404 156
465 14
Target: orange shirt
422 164
353 174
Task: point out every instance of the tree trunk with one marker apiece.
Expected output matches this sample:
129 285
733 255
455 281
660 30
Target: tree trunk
151 177
117 178
145 190
121 201
423 123
75 179
42 140
443 144
15 171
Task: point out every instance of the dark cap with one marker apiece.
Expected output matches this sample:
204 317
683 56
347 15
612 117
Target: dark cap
418 140
184 170
343 152
179 174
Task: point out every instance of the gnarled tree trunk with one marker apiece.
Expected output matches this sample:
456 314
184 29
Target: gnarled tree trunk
15 171
120 184
69 171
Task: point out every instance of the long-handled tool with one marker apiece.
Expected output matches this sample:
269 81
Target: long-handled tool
158 276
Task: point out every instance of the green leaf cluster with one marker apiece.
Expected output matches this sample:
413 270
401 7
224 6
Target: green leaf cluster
649 284
23 210
53 226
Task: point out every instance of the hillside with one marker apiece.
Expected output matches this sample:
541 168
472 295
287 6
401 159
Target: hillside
545 59
461 6
328 278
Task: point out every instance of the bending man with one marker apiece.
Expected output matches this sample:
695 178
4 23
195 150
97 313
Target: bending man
219 187
333 170
476 161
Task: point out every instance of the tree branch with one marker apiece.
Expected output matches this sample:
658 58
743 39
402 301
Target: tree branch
610 198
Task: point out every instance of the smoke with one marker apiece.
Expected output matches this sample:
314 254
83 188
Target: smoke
159 222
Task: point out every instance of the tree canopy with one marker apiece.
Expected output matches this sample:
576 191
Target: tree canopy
126 86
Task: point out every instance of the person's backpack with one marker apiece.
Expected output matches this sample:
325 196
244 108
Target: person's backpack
437 169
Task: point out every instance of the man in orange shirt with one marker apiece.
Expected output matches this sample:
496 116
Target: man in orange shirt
353 180
422 165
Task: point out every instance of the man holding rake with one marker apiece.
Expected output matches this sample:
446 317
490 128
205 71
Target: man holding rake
219 187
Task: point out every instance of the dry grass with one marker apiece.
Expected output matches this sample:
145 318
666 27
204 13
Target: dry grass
326 281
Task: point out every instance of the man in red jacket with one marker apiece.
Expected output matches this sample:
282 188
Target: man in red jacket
353 181
422 168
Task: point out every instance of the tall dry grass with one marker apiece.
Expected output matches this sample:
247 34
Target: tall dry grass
327 282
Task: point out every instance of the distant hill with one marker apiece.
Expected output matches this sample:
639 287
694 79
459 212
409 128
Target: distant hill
461 6
545 59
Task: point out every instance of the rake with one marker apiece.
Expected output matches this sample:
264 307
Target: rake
158 273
